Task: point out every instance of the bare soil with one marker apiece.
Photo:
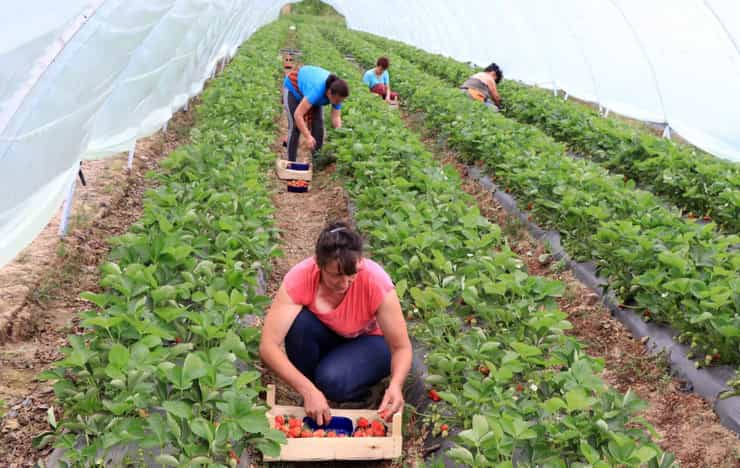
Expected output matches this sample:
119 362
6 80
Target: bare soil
686 423
39 291
300 218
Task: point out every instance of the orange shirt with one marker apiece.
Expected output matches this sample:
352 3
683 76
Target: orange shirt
355 315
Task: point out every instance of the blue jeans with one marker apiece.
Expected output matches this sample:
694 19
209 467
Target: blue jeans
343 369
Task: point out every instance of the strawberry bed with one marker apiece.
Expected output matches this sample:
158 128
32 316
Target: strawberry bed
515 383
702 185
683 273
163 362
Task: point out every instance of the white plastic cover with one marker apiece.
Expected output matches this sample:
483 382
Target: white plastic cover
670 61
86 78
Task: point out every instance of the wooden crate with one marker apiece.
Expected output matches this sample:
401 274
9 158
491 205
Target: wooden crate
281 167
343 448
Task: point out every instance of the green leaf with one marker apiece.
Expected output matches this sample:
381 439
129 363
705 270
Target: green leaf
167 460
51 418
480 426
179 408
202 428
577 400
118 356
163 294
193 368
553 405
673 260
221 297
462 455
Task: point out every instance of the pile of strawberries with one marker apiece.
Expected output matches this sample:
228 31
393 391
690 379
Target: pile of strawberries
294 428
366 428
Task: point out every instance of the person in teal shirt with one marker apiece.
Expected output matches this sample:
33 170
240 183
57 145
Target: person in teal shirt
378 81
305 92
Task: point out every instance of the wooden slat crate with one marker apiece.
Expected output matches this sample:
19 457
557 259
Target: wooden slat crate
344 448
281 167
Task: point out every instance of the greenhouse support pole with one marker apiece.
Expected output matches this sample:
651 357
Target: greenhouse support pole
185 107
164 127
565 96
667 132
131 156
606 112
67 208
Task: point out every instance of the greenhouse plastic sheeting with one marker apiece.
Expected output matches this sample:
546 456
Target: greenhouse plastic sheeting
667 61
82 79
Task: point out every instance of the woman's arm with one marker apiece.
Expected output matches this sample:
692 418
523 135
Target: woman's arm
299 119
336 118
391 321
494 92
278 321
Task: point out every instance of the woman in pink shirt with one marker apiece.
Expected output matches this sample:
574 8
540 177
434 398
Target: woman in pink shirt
341 322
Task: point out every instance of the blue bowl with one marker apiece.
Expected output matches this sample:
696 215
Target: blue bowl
338 424
298 166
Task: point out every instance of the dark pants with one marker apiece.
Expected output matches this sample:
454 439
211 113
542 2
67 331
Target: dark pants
317 125
343 369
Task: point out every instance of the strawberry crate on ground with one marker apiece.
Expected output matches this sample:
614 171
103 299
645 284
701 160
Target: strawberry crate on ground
345 448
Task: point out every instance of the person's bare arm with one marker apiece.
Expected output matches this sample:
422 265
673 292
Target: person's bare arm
391 322
299 119
336 118
494 92
278 321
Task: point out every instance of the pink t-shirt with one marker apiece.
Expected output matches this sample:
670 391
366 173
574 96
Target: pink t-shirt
355 315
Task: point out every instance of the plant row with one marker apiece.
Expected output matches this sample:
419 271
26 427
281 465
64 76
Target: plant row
676 272
698 183
518 385
163 362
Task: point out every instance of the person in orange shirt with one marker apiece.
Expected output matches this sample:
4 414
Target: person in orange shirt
340 319
482 86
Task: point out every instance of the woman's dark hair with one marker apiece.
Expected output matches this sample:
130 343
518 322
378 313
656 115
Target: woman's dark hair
337 86
495 68
383 63
339 242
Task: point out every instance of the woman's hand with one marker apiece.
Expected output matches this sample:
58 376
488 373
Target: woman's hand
392 402
316 406
310 142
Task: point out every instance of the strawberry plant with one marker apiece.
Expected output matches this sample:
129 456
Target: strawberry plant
163 362
449 263
691 179
685 273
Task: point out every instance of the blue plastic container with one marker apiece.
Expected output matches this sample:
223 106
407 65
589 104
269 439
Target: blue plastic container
338 424
298 166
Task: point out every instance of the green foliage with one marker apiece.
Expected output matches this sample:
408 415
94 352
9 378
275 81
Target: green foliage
684 273
163 361
693 180
542 398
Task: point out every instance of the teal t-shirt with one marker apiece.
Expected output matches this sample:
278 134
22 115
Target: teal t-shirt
371 79
312 85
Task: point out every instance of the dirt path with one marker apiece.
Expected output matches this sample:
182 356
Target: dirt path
40 288
687 425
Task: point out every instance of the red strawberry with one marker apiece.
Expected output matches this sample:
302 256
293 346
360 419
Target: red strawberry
434 395
529 206
294 422
444 427
305 434
378 429
318 433
707 218
363 423
178 340
279 420
331 434
360 433
341 435
295 432
519 387
716 356
484 370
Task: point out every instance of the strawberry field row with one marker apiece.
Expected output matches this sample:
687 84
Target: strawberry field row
670 270
163 362
517 384
697 182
